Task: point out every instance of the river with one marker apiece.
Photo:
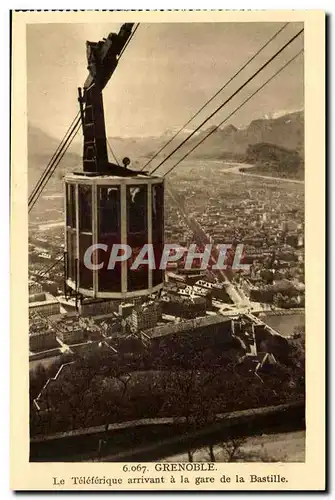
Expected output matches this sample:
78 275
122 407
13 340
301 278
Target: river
284 324
235 168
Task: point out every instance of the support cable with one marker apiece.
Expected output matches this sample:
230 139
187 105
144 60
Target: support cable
112 152
52 266
249 61
52 159
235 111
47 175
228 99
128 41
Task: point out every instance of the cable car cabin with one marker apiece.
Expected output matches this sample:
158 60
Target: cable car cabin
108 205
102 212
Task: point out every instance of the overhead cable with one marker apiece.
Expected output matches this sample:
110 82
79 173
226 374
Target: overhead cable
128 41
48 174
52 159
228 99
112 152
52 266
233 112
249 61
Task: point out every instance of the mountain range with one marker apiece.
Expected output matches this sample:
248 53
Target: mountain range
284 131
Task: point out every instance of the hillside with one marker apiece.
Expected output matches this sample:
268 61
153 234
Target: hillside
41 147
286 131
275 161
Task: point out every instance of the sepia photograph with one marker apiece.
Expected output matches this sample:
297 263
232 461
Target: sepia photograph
166 223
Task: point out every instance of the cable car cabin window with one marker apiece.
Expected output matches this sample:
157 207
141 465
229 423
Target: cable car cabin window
137 209
157 213
109 210
85 274
109 280
71 205
157 274
71 254
138 279
69 272
85 208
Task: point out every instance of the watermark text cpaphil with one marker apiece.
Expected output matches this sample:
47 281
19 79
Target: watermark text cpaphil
210 256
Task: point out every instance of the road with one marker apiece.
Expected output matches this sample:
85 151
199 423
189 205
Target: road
284 447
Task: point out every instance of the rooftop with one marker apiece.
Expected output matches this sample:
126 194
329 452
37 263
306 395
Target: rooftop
191 324
49 299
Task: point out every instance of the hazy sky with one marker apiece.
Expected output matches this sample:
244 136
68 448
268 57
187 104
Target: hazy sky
167 72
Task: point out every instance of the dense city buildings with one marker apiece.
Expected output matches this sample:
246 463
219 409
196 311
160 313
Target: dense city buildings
266 216
245 323
69 330
42 336
146 316
44 304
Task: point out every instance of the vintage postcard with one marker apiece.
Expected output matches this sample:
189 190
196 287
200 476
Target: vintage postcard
168 198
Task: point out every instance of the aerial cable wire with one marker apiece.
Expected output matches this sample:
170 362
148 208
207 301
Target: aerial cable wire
45 176
55 164
52 266
32 194
128 41
233 112
228 100
32 197
121 54
249 61
46 171
54 157
112 152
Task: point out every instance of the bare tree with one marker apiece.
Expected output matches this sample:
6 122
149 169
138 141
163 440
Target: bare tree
232 448
115 403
